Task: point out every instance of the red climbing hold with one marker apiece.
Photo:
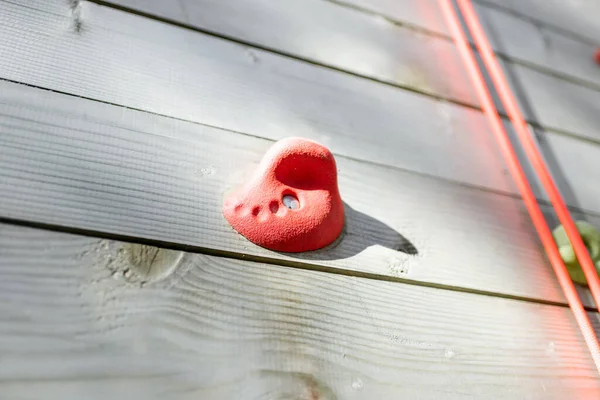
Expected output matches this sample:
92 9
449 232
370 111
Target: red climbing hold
597 56
292 203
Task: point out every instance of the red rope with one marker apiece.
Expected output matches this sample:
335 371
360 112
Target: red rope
530 147
517 172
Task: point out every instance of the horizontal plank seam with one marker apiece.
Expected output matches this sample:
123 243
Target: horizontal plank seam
551 27
543 69
393 21
497 7
504 56
535 124
278 52
297 264
358 160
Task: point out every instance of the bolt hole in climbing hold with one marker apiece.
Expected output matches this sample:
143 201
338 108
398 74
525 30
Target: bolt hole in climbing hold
291 202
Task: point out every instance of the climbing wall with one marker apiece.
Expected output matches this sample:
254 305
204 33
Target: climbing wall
125 123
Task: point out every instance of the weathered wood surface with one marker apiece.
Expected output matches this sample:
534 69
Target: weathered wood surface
558 104
419 13
540 47
333 35
77 321
135 62
207 80
444 155
357 42
78 163
575 166
576 17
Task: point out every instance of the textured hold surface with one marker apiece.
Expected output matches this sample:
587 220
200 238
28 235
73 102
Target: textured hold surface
292 203
591 238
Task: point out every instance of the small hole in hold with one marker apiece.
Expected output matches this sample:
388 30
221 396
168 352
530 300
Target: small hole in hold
290 202
255 211
274 206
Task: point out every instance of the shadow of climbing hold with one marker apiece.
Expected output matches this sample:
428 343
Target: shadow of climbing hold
361 231
292 203
591 239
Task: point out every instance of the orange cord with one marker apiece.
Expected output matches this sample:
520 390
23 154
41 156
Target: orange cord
520 178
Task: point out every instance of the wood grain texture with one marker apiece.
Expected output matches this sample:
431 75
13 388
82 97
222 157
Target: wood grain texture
547 100
83 164
332 35
264 95
556 104
172 9
539 46
371 46
578 17
580 162
421 13
514 38
75 322
139 63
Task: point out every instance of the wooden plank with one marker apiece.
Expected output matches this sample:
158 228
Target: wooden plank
376 48
578 17
139 63
541 47
174 9
76 321
556 104
353 117
575 165
78 163
242 19
341 37
371 113
514 38
421 13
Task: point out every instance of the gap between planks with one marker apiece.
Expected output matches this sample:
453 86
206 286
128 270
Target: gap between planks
329 125
502 55
500 192
271 260
539 22
430 94
386 166
254 44
289 263
78 320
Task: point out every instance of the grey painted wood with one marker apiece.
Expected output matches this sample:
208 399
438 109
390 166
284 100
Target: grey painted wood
139 63
422 13
579 17
84 164
172 9
256 21
556 104
341 37
537 45
78 323
351 40
578 161
217 83
515 38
